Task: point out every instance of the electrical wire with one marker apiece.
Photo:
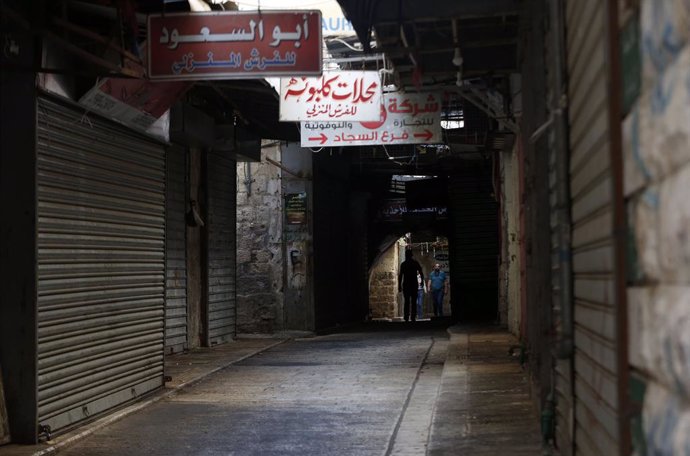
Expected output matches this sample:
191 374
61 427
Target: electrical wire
399 163
348 45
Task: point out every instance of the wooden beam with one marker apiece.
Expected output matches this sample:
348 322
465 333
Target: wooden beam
96 37
69 47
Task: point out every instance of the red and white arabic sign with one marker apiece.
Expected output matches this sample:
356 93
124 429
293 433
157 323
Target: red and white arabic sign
404 119
234 44
337 95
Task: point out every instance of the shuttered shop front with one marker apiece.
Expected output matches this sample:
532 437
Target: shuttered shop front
222 221
176 252
596 401
101 265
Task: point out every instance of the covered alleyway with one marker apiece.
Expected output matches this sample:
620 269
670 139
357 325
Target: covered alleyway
371 390
181 262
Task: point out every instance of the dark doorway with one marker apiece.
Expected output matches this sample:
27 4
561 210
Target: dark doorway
474 243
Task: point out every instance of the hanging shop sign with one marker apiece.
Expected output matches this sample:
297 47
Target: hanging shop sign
234 45
403 119
136 103
393 210
336 95
296 208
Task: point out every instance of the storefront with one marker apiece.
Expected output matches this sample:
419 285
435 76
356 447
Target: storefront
101 264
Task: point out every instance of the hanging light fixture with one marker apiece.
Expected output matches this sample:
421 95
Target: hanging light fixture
457 57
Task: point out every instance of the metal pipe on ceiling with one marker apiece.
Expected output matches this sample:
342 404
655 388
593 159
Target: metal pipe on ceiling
407 46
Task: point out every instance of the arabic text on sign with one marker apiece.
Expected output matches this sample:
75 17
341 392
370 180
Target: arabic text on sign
336 95
330 87
408 107
256 61
384 137
234 44
173 38
327 125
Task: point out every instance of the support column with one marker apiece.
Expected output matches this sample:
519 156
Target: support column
18 259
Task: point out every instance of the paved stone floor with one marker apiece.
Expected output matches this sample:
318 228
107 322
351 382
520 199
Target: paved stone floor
339 394
378 389
484 407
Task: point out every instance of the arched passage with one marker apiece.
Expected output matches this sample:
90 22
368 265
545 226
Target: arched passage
467 216
385 302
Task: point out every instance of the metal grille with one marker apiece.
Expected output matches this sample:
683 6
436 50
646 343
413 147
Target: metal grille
595 376
101 236
222 215
175 253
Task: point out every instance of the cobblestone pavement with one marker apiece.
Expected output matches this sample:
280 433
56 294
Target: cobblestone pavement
363 392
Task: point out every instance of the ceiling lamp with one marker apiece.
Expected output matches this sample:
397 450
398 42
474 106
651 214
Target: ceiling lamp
457 58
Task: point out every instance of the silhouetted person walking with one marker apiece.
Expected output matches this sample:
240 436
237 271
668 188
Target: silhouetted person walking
407 283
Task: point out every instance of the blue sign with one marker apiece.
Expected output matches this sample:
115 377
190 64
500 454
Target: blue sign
336 25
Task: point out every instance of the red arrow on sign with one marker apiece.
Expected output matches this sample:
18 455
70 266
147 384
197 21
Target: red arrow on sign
323 138
426 135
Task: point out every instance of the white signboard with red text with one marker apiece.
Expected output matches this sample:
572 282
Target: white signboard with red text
404 119
337 95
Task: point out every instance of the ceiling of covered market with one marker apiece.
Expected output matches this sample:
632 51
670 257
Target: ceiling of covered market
422 37
465 49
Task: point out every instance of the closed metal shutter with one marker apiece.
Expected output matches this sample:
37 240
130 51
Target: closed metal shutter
595 373
175 252
222 226
473 243
101 265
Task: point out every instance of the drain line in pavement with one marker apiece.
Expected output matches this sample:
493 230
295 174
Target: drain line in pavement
394 434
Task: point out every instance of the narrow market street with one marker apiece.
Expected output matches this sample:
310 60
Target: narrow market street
372 390
219 217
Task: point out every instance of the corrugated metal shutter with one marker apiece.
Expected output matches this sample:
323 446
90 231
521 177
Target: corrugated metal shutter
222 226
563 367
595 377
101 269
473 243
175 252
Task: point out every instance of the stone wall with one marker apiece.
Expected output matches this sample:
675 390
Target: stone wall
383 285
260 245
509 274
299 270
656 143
